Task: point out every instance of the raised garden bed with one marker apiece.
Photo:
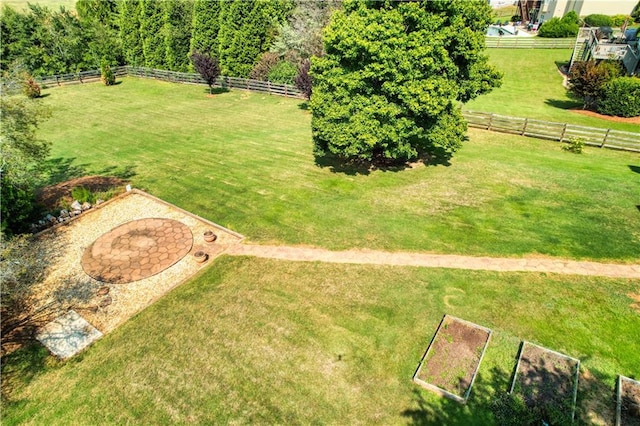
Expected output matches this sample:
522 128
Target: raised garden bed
451 362
628 408
547 381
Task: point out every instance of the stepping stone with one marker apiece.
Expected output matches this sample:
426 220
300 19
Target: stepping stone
67 335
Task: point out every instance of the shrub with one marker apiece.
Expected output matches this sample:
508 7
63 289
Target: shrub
575 145
571 18
598 20
263 67
283 72
207 66
30 88
558 28
620 97
516 18
587 78
82 194
618 20
107 76
304 81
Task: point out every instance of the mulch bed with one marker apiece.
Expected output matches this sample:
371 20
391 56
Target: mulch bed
628 402
51 196
453 357
547 381
630 120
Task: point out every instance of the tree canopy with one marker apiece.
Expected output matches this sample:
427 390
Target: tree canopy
393 76
22 154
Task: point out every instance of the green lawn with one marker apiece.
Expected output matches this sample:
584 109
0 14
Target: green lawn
244 160
258 341
532 87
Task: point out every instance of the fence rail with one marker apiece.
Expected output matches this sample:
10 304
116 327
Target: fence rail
561 132
529 43
604 138
178 77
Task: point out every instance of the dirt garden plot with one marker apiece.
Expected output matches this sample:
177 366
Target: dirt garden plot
451 362
628 407
114 260
547 381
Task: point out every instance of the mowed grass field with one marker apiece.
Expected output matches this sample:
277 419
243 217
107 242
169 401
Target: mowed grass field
244 160
532 87
270 342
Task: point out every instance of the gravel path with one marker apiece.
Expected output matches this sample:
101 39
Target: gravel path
373 257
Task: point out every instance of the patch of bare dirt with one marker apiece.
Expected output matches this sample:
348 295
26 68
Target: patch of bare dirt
636 301
630 403
50 196
546 380
454 356
630 120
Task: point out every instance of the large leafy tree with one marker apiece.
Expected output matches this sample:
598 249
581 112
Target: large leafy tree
101 24
393 76
22 154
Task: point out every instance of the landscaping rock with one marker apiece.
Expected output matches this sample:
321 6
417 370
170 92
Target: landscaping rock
76 205
106 302
99 201
76 212
64 213
86 205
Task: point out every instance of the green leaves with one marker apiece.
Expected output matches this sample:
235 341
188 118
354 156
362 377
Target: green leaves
393 74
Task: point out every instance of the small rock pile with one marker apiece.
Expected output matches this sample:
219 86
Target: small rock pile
65 215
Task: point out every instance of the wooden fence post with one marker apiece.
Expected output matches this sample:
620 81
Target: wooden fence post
524 127
564 130
490 120
604 141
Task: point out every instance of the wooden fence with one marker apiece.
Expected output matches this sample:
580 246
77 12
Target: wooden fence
529 43
178 77
604 138
562 132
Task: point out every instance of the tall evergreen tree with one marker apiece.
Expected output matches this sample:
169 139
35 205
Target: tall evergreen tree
100 20
233 14
177 33
130 11
247 30
151 33
205 26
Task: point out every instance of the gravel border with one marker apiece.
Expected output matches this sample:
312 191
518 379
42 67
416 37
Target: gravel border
67 285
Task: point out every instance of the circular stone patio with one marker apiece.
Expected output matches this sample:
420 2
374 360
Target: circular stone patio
137 250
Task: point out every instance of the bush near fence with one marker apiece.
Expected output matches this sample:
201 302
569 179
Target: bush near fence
604 138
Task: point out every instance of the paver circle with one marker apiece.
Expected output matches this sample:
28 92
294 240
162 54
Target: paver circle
137 250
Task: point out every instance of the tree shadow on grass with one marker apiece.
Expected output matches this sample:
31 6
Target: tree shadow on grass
20 368
563 66
216 90
63 169
304 106
434 410
635 169
563 103
363 167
